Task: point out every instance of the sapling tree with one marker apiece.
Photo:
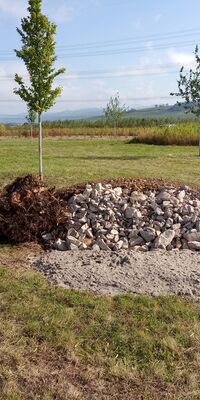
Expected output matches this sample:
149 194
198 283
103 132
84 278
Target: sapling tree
189 88
31 118
38 53
114 111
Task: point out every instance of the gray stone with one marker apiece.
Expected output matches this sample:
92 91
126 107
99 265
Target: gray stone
95 247
194 245
73 247
133 234
136 242
60 245
166 203
80 198
132 212
192 237
73 232
163 196
99 187
137 197
47 237
118 245
196 203
148 235
89 233
103 246
197 225
73 240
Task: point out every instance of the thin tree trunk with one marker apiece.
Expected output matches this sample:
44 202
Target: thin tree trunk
40 146
31 131
115 128
199 140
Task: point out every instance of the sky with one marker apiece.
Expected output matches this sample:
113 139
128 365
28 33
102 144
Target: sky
135 48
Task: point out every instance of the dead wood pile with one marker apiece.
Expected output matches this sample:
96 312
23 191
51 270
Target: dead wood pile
28 209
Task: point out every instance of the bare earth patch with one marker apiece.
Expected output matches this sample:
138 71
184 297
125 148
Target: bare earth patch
110 273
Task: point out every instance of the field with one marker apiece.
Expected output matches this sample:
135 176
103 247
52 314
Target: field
63 345
139 131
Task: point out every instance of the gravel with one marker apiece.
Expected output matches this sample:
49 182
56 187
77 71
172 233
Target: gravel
153 273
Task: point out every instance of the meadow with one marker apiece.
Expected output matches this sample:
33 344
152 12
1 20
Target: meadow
60 344
80 160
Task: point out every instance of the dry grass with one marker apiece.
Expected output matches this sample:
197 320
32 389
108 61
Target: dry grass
185 134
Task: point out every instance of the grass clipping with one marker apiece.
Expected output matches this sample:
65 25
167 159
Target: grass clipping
28 210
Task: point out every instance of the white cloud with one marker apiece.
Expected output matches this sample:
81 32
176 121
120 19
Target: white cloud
179 59
137 24
157 17
16 8
63 13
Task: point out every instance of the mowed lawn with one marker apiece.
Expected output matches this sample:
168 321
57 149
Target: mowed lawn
77 160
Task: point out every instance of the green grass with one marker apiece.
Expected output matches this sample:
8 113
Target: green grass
144 345
71 161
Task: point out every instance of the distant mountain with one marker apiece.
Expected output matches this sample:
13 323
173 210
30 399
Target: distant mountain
88 113
159 111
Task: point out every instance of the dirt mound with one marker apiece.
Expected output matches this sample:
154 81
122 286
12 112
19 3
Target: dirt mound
28 209
130 184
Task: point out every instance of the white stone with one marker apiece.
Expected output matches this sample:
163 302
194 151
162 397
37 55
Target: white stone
181 195
118 191
119 245
164 239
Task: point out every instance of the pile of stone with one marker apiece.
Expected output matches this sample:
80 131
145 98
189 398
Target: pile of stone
107 218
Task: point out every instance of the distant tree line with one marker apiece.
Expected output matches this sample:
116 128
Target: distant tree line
122 123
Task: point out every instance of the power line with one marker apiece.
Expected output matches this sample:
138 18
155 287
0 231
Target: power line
114 76
88 51
110 73
127 50
96 100
119 51
137 39
124 41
